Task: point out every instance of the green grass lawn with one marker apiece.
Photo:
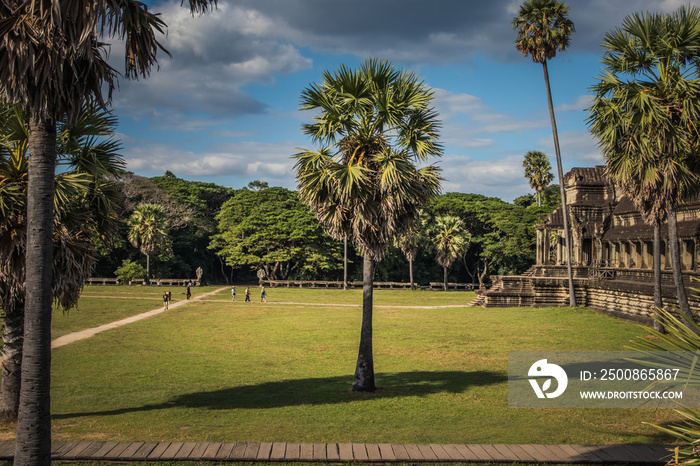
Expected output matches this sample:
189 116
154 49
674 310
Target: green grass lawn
222 371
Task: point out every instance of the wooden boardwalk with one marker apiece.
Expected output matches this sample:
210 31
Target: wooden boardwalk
350 452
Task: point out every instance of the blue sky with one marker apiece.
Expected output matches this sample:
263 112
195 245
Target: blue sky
223 109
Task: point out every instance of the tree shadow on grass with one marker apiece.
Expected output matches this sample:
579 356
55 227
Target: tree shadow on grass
317 391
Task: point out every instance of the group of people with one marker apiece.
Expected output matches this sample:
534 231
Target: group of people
263 294
167 296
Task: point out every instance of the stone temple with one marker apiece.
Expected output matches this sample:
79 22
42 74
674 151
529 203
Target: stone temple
612 254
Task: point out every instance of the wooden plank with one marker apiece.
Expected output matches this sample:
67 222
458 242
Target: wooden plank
572 454
587 453
171 452
129 452
184 452
427 452
264 451
211 451
400 452
7 449
332 453
319 453
306 452
103 450
158 450
601 452
521 454
198 450
251 451
453 453
543 454
225 450
479 452
116 452
467 453
387 452
440 452
278 449
359 452
643 453
619 453
345 452
496 453
238 451
292 452
507 452
143 452
373 453
558 453
64 447
77 448
414 453
89 452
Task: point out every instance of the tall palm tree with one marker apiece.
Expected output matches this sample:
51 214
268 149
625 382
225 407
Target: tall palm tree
409 244
543 30
53 59
148 230
375 123
451 240
538 171
645 114
86 206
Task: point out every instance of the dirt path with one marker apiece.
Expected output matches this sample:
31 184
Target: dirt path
87 333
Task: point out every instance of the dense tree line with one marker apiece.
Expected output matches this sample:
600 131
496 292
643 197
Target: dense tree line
233 233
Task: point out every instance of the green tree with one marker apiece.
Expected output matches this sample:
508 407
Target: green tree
538 171
451 240
645 114
86 212
129 270
271 229
411 242
148 231
53 60
375 122
543 30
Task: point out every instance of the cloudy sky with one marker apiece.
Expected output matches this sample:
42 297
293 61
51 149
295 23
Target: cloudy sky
224 108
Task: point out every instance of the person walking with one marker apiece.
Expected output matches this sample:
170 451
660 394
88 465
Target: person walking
233 293
189 293
262 295
165 300
247 294
170 297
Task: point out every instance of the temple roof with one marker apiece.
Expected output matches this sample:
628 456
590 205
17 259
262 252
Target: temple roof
587 176
642 231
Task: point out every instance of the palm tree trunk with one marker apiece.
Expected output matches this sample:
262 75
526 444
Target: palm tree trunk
658 302
674 250
539 198
12 339
444 278
148 268
410 271
565 216
33 445
345 263
364 371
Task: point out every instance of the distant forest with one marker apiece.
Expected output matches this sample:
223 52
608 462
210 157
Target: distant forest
233 233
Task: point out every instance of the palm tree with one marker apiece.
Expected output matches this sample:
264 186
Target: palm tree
375 122
645 114
451 240
148 230
538 171
53 59
543 30
409 244
86 203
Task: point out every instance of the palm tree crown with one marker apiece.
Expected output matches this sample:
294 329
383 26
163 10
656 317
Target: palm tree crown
450 238
376 122
538 172
646 108
147 227
543 29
